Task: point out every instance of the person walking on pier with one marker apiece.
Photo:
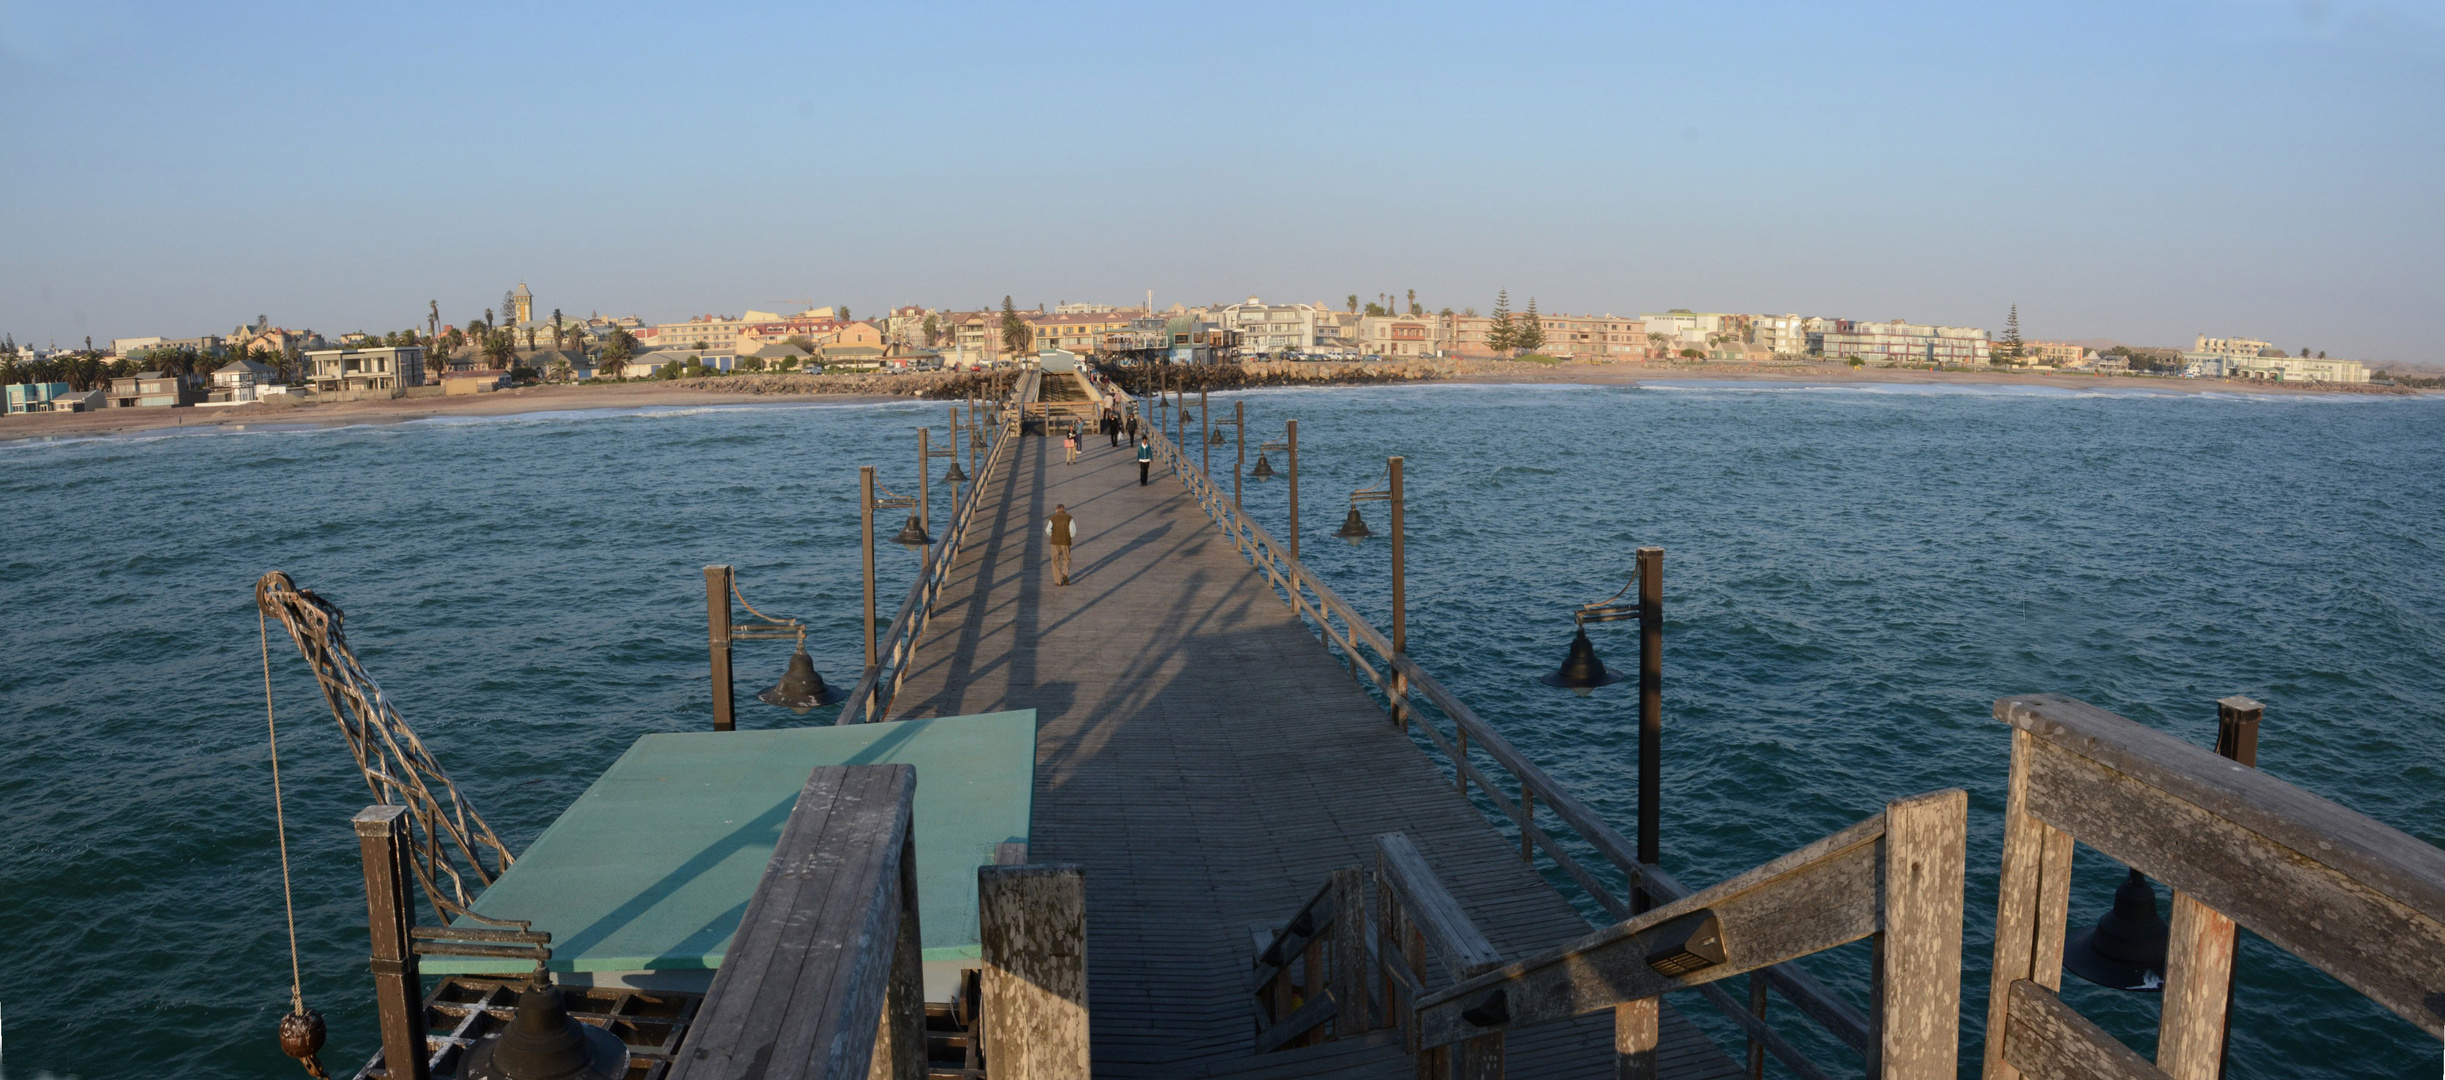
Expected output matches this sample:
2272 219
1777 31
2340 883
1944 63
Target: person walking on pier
1112 426
1069 444
1146 459
1062 529
1133 426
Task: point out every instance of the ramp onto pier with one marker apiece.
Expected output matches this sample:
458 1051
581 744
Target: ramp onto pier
1208 763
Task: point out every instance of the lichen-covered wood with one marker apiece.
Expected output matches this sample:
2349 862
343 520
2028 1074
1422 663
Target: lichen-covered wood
1033 923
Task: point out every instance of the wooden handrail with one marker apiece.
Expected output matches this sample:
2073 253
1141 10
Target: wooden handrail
823 980
1897 874
2358 899
916 610
1840 1019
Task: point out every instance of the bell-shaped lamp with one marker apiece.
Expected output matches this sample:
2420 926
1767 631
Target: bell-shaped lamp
1263 470
1581 672
800 688
913 535
957 475
1354 528
543 1042
2126 949
1216 439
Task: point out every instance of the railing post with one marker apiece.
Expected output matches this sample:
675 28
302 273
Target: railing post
865 483
1239 422
1294 490
717 622
1650 712
2190 1042
390 913
1205 438
1757 1008
925 485
899 1038
1635 1035
1032 923
1350 953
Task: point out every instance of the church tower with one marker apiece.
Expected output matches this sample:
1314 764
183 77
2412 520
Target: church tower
526 305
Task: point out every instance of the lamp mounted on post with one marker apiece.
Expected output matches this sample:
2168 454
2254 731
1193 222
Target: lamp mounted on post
954 475
1582 673
800 690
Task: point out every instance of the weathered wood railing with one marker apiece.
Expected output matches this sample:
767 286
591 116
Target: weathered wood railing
822 980
880 684
1896 878
1404 685
2357 899
1420 919
1313 970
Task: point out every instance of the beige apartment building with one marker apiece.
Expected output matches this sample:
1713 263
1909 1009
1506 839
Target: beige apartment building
1583 337
2057 353
1081 332
1403 335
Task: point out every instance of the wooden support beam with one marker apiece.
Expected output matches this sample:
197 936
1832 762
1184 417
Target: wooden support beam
1350 952
1919 946
2031 903
1636 1031
2045 1040
390 916
1033 924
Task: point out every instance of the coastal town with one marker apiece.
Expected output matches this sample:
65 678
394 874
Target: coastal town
524 342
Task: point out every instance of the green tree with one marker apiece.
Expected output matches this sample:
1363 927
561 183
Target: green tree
620 347
932 330
501 348
559 367
2011 348
1503 336
1529 336
509 306
558 334
1353 303
1377 309
1414 309
1016 337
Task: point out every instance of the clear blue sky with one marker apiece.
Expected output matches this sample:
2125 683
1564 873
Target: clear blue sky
2138 170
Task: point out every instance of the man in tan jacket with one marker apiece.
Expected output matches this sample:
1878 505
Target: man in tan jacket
1063 530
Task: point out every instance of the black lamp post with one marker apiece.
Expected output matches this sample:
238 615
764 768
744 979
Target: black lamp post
1582 673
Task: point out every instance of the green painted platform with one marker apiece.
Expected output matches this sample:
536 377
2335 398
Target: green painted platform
651 868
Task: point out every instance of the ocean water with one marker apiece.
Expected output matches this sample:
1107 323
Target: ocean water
1853 575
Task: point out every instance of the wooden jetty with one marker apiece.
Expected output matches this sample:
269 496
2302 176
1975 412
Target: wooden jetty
1239 862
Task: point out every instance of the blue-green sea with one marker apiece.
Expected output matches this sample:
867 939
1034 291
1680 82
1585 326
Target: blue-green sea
1853 575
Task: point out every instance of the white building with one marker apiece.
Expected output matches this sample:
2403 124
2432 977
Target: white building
1782 335
1898 342
2297 369
2233 347
239 382
393 368
1270 328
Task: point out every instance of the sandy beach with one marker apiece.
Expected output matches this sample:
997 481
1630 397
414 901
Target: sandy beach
742 391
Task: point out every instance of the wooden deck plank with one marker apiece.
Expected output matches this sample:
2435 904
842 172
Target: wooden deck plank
1209 763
